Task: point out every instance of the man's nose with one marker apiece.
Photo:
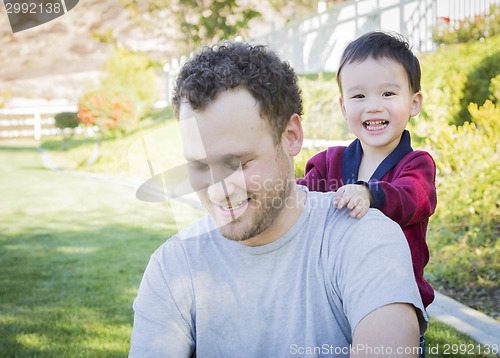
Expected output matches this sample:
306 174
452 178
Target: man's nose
220 191
226 183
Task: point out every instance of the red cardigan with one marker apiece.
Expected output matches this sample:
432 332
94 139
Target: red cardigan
403 188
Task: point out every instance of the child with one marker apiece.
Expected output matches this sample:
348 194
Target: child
379 82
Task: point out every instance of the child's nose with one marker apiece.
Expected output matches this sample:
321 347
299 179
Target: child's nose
374 105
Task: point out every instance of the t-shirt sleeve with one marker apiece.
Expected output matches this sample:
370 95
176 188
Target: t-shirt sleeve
374 268
162 319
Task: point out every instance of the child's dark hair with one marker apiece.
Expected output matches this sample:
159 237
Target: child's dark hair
380 44
215 69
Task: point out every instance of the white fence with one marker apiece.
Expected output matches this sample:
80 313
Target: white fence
456 10
315 43
31 122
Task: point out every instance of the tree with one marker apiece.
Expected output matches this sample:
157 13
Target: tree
212 20
197 22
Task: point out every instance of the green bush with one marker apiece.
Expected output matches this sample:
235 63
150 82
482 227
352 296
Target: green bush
495 89
477 88
67 120
463 232
473 29
322 117
132 75
456 75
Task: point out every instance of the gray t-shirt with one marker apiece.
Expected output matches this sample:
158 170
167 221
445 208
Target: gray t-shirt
302 294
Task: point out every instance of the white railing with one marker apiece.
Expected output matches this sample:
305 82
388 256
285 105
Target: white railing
458 10
315 43
31 122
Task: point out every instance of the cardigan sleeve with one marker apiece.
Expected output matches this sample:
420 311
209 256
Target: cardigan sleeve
323 171
408 193
315 173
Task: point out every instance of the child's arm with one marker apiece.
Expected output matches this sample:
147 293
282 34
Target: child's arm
315 173
323 171
411 195
357 198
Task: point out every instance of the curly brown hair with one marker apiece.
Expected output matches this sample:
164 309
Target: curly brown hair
271 81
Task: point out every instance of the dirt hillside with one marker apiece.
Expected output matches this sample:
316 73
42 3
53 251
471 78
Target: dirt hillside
57 59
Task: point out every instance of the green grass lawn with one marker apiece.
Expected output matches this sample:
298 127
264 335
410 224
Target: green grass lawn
72 253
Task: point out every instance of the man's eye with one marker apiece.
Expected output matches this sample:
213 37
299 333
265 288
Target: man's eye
234 164
199 166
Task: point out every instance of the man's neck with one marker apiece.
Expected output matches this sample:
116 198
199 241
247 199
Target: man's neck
292 208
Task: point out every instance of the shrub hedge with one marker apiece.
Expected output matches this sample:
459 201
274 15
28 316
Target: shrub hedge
67 120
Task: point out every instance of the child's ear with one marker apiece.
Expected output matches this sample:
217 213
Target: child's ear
416 104
342 107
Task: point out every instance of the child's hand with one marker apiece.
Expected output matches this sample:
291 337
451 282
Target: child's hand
356 197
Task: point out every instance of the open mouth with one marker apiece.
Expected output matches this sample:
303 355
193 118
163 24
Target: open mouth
375 125
235 206
233 211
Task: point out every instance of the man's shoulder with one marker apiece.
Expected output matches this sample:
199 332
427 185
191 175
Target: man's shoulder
374 228
337 225
199 230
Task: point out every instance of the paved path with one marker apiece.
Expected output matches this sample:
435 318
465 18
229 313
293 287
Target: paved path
482 328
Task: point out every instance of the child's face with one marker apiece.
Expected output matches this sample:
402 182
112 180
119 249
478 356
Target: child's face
377 102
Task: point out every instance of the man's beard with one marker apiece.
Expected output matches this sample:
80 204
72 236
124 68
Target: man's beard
270 206
267 205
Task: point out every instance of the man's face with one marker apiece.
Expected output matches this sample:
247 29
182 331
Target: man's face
240 175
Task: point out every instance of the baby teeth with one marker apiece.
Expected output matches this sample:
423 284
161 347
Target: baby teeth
375 125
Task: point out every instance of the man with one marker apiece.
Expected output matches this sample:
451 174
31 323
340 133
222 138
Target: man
274 270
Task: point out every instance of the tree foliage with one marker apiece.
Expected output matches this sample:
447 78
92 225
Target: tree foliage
198 22
131 74
212 20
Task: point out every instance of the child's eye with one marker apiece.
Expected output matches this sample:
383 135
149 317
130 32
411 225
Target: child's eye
388 94
358 96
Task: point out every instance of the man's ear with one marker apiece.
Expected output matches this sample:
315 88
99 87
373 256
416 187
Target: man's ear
416 104
293 135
